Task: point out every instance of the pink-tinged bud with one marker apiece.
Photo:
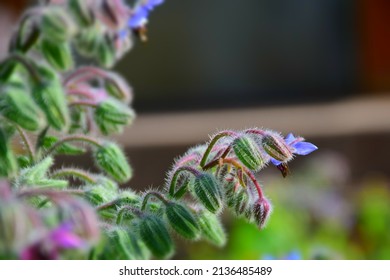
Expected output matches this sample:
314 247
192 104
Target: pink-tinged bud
276 147
261 211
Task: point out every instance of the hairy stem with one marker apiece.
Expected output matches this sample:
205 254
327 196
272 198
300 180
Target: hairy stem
73 172
212 143
72 138
155 194
27 143
176 176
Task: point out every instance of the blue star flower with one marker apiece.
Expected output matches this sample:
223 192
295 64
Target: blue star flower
297 146
141 13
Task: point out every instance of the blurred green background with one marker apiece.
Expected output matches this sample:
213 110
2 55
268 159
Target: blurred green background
320 69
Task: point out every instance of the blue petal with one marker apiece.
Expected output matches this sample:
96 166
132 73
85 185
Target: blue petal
290 138
275 162
304 148
153 3
294 255
138 18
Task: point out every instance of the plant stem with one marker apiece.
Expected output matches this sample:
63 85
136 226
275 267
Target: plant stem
155 194
176 174
27 143
72 138
125 209
47 192
83 103
27 64
78 173
213 142
86 72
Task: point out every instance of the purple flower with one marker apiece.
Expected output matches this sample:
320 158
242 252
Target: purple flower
49 246
297 146
141 13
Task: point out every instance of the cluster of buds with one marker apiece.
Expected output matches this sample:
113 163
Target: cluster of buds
57 107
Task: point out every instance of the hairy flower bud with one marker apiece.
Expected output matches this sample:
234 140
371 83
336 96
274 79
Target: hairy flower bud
50 97
276 147
59 55
261 212
155 235
241 202
208 191
17 105
123 244
82 11
182 221
106 53
247 152
110 158
211 228
99 194
87 42
111 116
57 25
15 226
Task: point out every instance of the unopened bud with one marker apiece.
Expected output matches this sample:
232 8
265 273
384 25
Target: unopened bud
106 53
112 160
59 55
261 212
111 116
211 228
276 147
82 11
156 237
99 194
123 244
248 153
57 25
208 191
50 97
182 221
87 42
17 105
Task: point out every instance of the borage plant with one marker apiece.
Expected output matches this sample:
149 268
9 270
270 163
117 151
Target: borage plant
55 106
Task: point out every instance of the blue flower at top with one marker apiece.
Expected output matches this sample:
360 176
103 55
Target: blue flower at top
298 147
141 13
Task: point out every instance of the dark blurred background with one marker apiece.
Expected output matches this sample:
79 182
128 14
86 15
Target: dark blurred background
318 68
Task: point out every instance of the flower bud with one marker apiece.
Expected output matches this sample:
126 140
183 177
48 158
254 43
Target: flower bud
59 55
56 25
261 212
50 97
241 202
15 227
110 158
247 152
211 228
8 163
182 221
106 53
155 235
17 105
82 11
99 194
111 116
276 147
208 191
87 42
117 87
123 244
